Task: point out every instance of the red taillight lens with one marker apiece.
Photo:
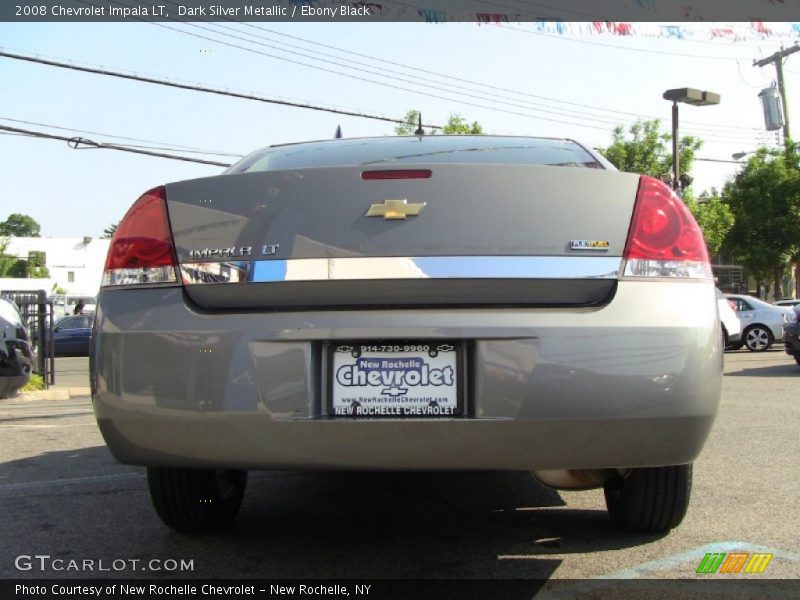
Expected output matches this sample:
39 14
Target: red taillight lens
141 250
397 174
664 239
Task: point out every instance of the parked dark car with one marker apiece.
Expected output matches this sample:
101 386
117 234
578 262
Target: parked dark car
791 337
16 358
71 335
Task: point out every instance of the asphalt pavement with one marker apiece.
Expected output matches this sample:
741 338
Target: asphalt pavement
63 495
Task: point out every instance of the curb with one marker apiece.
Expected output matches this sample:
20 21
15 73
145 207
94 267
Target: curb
55 394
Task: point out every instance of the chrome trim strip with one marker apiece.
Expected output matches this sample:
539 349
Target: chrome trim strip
396 267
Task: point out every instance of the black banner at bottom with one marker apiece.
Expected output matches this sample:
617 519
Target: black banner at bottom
391 589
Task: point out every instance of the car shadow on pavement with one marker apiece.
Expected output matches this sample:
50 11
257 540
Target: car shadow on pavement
82 504
790 369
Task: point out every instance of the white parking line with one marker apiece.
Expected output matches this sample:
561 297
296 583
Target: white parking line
649 569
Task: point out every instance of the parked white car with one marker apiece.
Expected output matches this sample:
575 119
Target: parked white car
731 325
762 322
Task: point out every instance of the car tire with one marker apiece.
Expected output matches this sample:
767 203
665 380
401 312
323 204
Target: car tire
196 500
649 500
724 338
758 338
797 360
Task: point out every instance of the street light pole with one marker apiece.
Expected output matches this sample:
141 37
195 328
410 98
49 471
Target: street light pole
676 159
687 96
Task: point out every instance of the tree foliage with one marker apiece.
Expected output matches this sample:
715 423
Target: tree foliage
19 225
11 266
456 125
8 263
644 149
108 232
714 217
765 200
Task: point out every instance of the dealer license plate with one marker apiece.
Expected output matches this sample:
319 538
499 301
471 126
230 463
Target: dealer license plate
395 380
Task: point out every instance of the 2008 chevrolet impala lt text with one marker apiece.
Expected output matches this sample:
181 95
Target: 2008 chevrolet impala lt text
431 303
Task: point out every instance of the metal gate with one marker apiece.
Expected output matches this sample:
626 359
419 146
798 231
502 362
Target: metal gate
37 314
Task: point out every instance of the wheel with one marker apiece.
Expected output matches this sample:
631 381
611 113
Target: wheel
724 338
797 359
757 338
650 499
195 500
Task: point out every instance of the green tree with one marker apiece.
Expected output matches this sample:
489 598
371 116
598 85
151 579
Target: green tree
108 232
456 124
19 225
6 260
36 267
646 150
10 266
714 217
765 200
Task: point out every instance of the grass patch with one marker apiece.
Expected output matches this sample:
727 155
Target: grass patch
35 383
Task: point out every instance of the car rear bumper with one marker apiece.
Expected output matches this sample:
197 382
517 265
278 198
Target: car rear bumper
15 368
545 388
791 337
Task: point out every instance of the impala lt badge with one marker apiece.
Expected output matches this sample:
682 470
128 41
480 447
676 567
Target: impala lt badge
395 209
589 244
233 251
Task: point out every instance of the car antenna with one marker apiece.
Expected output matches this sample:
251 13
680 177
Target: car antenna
338 134
420 131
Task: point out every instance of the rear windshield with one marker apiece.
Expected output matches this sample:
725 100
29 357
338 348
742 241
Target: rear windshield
429 149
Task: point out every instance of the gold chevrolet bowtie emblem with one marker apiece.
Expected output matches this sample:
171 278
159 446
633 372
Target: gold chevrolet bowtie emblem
395 209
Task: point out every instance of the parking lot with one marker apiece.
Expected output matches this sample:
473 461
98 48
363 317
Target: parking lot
63 495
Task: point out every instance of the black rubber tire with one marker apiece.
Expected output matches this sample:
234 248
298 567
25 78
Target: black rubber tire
769 336
797 359
649 500
724 338
196 500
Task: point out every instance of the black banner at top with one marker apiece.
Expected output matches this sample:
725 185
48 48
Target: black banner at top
430 11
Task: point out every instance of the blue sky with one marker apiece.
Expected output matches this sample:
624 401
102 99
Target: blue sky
77 193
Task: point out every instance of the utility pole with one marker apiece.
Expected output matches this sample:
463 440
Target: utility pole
777 60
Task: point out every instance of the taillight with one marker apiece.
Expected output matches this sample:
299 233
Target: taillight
664 239
141 250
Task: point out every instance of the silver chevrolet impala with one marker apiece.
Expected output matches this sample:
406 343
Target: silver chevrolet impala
464 302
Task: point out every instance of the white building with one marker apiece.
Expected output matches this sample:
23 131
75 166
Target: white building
74 264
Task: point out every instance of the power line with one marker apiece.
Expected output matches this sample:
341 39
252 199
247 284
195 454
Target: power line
719 137
581 115
414 82
159 145
417 70
199 88
77 141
